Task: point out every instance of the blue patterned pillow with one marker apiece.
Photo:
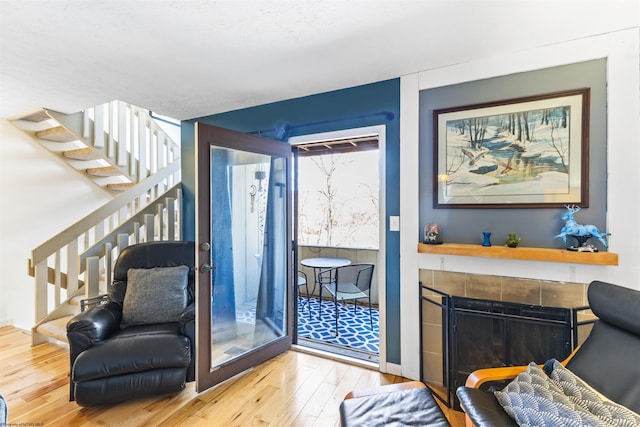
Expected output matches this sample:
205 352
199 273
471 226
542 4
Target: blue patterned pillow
534 399
584 395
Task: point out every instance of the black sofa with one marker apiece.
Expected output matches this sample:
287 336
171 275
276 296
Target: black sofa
607 360
117 352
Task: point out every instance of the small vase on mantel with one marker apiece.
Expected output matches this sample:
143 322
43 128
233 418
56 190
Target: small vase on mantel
513 240
486 238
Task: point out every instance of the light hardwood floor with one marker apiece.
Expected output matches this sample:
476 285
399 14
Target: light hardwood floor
293 389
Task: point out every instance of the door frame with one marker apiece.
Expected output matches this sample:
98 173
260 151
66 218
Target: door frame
205 136
379 130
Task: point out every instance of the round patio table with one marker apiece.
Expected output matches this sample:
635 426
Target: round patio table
319 265
325 262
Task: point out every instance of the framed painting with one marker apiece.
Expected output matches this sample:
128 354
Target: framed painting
528 152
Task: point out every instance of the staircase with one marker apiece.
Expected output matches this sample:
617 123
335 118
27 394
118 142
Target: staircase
123 151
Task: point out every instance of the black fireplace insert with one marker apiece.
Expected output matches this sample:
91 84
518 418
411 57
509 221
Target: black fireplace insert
478 333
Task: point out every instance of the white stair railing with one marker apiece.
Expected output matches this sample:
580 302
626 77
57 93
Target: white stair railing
125 136
128 138
87 249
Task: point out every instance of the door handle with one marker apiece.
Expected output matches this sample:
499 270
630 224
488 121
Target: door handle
205 247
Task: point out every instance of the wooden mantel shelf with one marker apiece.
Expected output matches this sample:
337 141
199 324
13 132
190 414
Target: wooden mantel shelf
524 253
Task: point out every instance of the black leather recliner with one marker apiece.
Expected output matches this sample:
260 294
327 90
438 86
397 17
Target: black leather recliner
607 360
111 361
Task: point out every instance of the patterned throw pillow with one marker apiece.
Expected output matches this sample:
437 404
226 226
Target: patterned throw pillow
155 295
534 399
584 395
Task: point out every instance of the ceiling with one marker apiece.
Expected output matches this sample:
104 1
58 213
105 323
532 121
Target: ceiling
193 58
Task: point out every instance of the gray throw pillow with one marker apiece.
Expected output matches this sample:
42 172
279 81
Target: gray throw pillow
155 295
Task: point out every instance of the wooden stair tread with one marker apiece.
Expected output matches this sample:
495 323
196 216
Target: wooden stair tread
104 171
56 134
76 300
82 154
56 328
121 186
36 117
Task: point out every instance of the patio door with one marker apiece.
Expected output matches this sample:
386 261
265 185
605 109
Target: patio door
244 307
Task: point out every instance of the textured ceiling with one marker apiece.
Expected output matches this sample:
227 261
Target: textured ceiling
193 58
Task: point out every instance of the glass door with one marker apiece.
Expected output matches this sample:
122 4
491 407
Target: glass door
244 308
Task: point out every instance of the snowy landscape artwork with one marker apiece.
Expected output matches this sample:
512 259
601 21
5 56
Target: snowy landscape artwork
526 152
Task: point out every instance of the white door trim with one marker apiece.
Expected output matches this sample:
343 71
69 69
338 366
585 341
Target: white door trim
379 130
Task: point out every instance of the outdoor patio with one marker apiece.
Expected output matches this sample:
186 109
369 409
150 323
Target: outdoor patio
355 337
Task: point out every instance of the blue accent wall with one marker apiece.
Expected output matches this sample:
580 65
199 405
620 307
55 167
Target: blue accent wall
367 105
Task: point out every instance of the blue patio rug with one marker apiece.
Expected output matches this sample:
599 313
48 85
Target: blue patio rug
354 330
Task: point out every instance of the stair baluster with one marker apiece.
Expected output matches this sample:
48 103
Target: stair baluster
139 164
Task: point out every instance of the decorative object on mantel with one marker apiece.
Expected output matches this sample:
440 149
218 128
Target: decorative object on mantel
523 253
580 232
486 238
513 240
432 234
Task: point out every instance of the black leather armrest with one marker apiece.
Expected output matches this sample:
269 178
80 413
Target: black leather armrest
92 326
188 328
188 322
483 409
188 315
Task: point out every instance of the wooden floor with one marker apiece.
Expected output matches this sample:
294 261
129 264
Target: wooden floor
293 389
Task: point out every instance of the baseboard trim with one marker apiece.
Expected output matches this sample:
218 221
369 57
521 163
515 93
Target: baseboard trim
336 357
392 368
4 323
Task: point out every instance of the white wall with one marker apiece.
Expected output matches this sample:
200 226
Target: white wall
41 196
622 51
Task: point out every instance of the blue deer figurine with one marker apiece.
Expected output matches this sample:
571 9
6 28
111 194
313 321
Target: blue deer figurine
572 228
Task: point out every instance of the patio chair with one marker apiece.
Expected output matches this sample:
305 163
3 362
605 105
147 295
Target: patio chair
302 281
352 282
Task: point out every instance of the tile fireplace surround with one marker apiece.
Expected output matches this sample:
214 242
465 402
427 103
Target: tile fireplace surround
508 289
494 288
